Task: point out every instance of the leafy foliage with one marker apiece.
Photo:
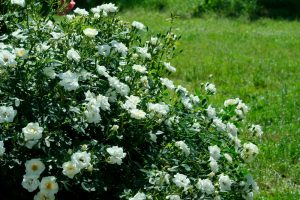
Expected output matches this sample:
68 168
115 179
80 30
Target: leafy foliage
85 105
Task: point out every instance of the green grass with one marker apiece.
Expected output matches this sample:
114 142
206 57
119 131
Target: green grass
258 62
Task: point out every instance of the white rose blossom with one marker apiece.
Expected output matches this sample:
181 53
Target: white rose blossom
228 157
137 114
249 152
206 186
108 8
215 152
211 112
256 130
21 52
81 159
168 83
169 67
7 58
120 47
120 87
72 54
159 108
18 2
116 154
30 182
32 133
232 129
140 68
69 80
70 169
34 167
131 102
181 180
7 114
138 25
210 88
225 183
213 165
81 12
48 186
90 32
143 52
219 124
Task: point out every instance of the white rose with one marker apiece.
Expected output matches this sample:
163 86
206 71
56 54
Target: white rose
90 32
70 169
18 2
72 54
116 155
69 80
49 186
32 133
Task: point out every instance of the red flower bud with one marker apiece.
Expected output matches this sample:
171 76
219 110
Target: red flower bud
71 5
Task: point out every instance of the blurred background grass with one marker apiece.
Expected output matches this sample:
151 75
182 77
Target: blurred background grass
288 9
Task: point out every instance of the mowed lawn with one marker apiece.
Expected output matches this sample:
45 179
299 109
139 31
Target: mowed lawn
258 62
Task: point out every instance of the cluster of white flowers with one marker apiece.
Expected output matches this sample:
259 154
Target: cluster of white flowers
119 47
105 9
219 124
120 87
97 89
95 103
256 130
79 160
249 152
48 185
158 108
143 52
81 12
241 108
210 88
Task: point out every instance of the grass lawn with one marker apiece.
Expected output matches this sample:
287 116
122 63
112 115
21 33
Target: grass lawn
258 62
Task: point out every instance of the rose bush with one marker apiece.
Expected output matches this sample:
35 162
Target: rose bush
87 111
